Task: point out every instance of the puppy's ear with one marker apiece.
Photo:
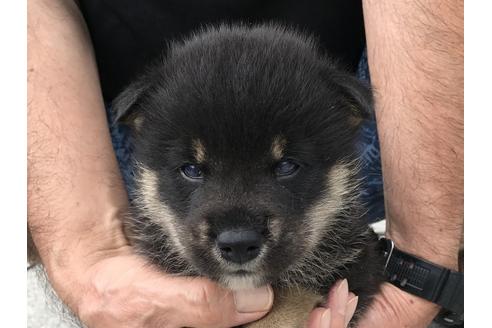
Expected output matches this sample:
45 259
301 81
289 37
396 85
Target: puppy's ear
125 105
358 94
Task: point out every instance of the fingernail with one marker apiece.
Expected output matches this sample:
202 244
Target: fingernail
341 295
350 310
253 300
343 286
325 321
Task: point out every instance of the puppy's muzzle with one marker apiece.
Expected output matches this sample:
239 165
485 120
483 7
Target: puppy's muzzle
239 246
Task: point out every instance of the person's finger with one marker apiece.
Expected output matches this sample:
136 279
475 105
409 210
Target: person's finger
337 302
351 306
319 318
209 305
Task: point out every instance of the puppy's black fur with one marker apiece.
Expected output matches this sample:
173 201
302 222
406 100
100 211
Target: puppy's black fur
235 102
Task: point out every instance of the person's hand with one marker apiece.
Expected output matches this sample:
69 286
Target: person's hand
125 291
340 308
390 308
393 307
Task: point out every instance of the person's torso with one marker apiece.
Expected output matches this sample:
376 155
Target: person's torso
128 34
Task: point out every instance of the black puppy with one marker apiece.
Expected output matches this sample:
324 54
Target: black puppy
246 170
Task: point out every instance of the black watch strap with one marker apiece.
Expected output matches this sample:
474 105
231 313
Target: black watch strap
424 279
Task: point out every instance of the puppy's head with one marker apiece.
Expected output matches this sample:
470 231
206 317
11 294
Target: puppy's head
243 140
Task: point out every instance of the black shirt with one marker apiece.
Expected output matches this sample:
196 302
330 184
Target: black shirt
127 34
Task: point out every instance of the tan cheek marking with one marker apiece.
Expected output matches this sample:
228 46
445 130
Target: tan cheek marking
333 202
278 147
148 200
275 227
198 150
203 231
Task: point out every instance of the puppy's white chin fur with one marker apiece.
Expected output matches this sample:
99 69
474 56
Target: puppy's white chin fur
237 282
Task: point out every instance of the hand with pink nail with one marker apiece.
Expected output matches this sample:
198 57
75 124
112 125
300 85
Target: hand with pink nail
390 308
340 307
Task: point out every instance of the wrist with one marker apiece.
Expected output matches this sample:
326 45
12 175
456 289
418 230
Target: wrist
77 283
408 310
443 252
83 237
68 256
425 280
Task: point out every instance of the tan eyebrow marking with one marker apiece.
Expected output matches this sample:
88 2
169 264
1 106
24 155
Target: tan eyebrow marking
198 150
278 147
138 122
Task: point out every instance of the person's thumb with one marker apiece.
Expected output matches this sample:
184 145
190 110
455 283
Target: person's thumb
210 305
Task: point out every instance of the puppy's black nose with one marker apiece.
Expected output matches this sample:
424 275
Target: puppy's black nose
239 246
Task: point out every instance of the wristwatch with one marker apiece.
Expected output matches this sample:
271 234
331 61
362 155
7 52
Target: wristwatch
427 280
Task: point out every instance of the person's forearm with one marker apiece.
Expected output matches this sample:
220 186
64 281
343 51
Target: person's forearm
415 52
75 192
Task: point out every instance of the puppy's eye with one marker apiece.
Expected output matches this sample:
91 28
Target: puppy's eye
191 171
286 168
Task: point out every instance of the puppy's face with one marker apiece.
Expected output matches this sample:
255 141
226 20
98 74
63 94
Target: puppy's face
243 143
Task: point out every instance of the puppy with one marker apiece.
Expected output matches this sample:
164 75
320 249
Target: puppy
246 171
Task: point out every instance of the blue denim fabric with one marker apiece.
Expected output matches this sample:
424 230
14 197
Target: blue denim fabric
120 137
368 146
